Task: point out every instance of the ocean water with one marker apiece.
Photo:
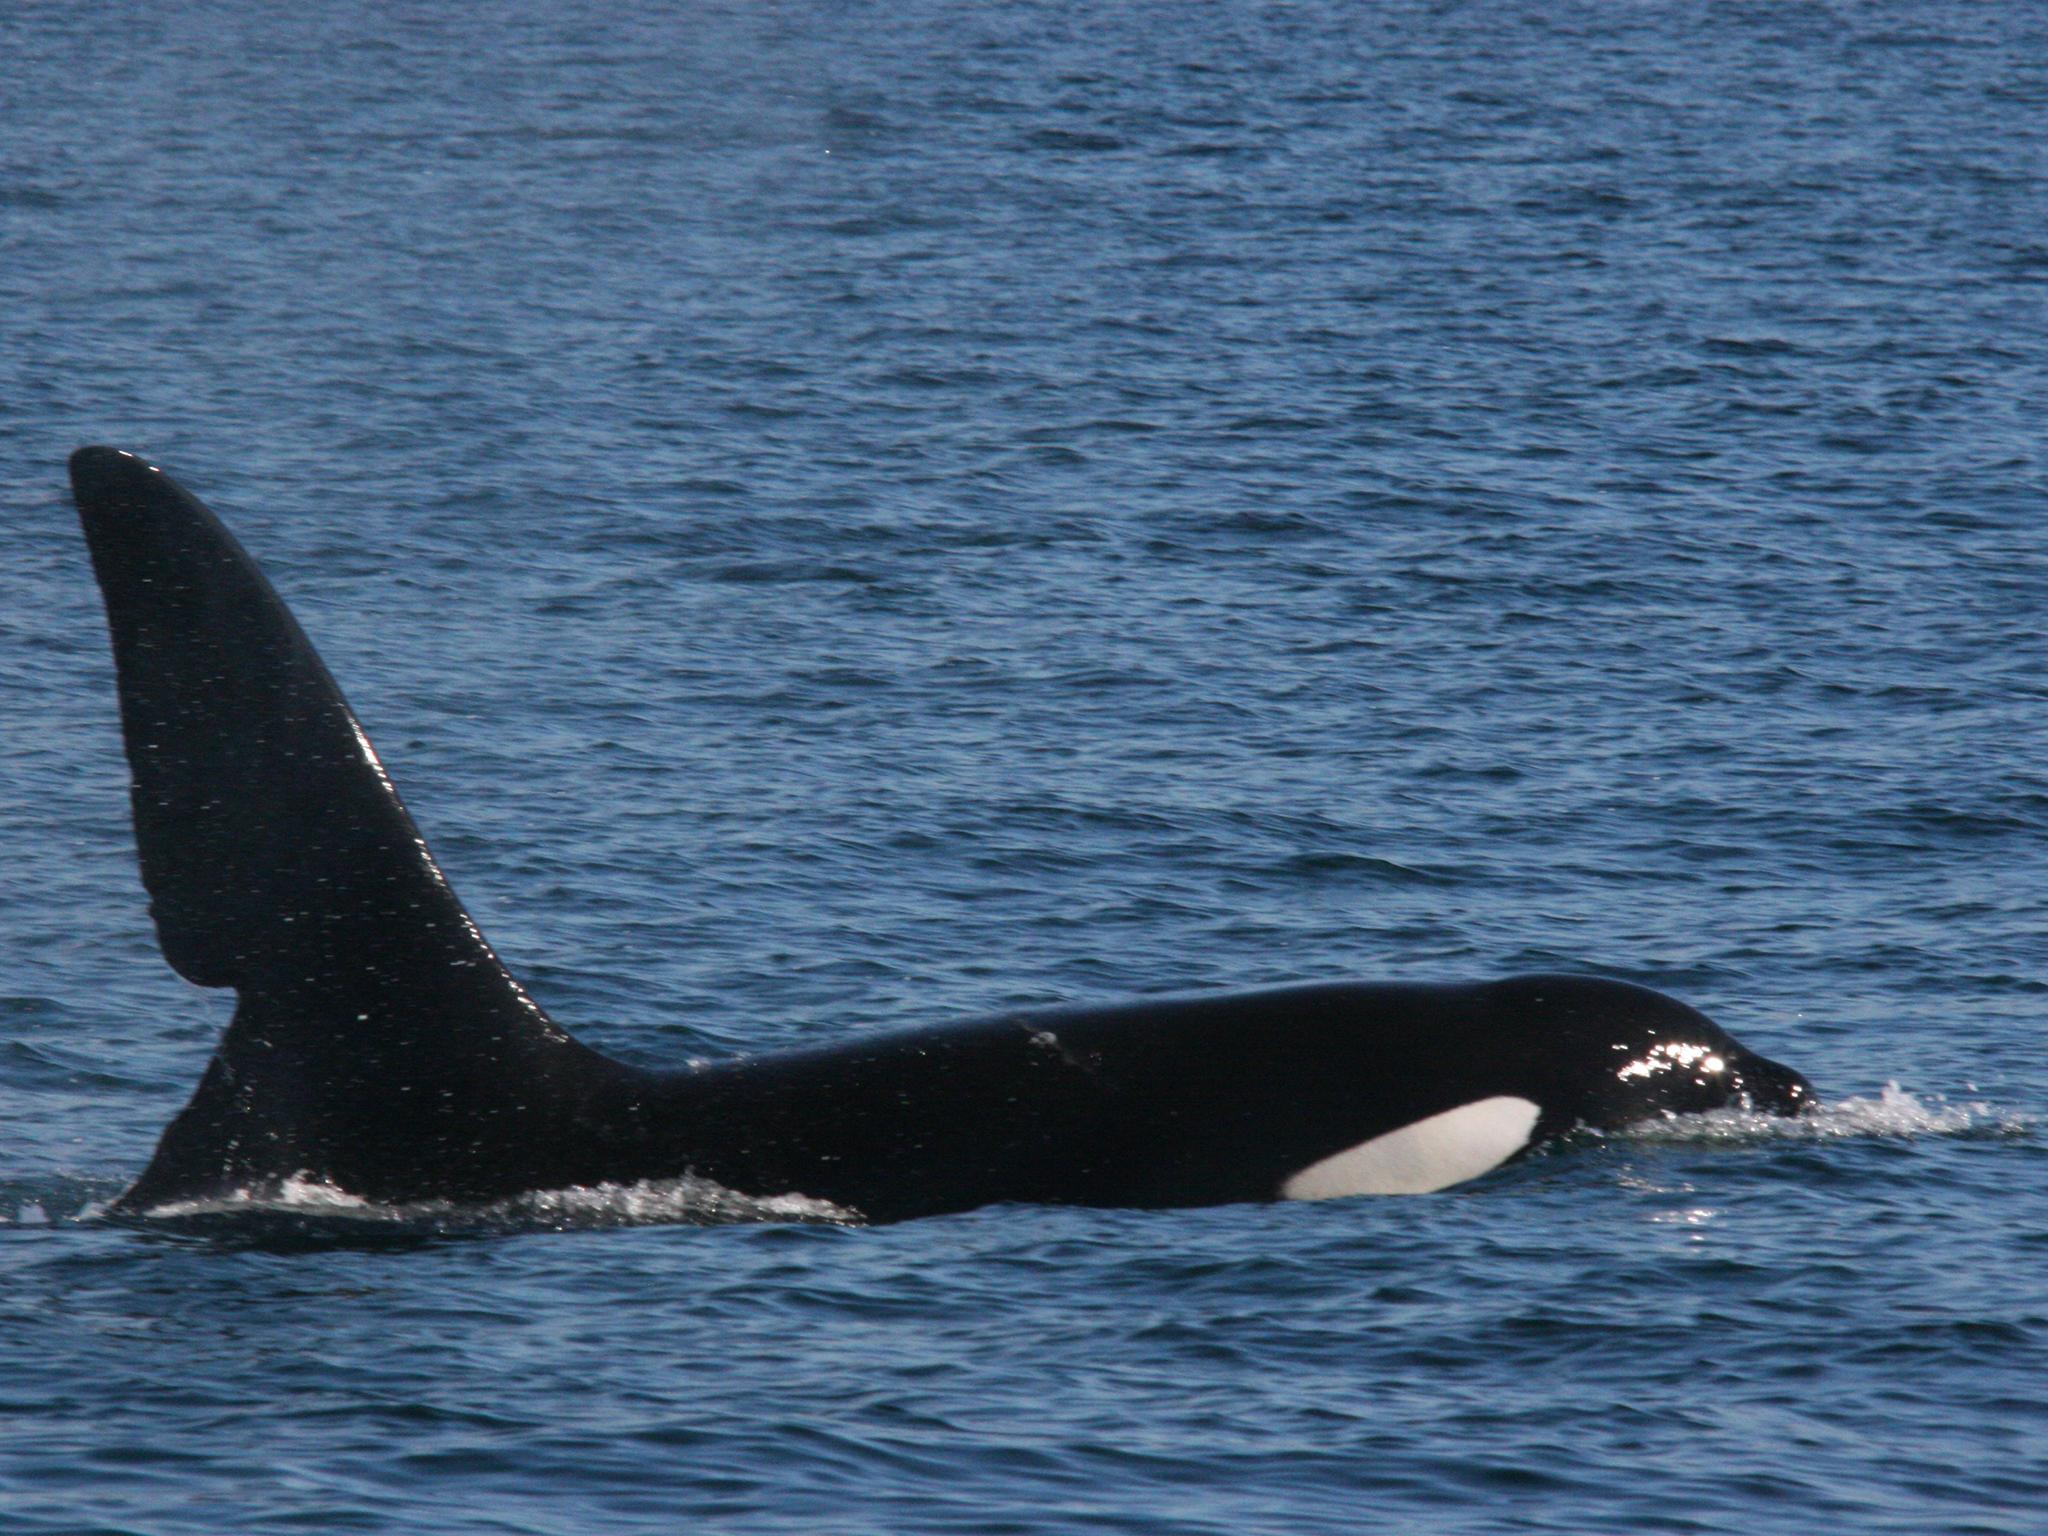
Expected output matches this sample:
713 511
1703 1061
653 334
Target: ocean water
840 517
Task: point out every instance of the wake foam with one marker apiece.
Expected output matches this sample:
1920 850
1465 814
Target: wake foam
55 1201
1894 1112
312 1205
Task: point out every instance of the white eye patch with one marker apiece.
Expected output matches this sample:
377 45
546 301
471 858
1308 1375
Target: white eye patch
1431 1154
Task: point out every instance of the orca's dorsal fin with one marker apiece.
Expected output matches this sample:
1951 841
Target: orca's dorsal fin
280 861
273 845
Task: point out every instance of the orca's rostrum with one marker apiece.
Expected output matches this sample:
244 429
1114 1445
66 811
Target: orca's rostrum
380 1047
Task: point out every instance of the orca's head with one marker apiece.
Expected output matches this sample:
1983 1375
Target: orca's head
1618 1053
1772 1088
1692 1070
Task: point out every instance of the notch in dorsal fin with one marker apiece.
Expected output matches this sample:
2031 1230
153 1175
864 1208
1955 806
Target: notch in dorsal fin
376 1025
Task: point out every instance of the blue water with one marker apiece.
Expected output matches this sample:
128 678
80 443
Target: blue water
840 517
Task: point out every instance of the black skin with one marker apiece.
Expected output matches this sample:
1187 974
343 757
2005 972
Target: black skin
379 1045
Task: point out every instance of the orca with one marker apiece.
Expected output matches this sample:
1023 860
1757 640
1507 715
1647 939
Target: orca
381 1048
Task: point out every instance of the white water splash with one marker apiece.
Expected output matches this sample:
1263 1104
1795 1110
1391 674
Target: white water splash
649 1202
1894 1112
